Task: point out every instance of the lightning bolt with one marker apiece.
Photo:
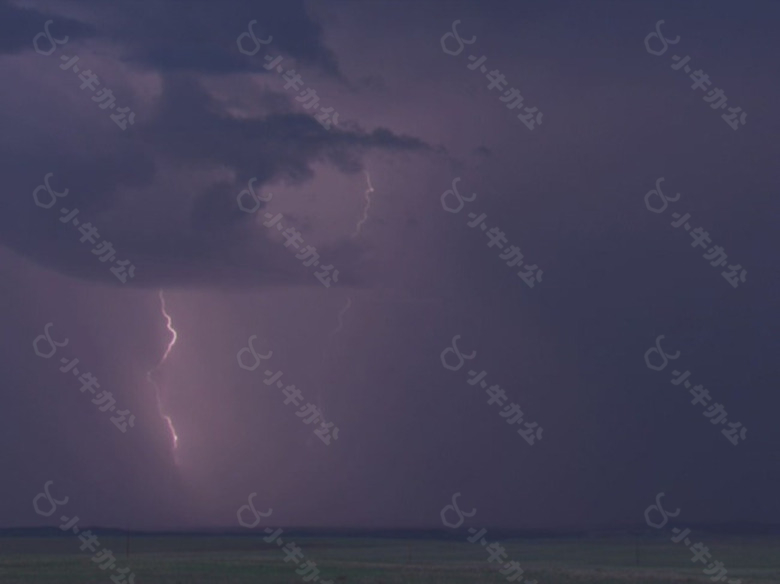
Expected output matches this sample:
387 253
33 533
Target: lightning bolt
150 373
332 334
367 195
342 312
358 227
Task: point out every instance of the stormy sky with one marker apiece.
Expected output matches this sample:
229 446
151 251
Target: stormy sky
570 193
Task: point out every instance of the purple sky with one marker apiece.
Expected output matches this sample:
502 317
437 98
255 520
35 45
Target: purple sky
569 193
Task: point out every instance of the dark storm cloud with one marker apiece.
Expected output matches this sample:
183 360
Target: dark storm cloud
18 27
275 146
200 35
187 127
192 132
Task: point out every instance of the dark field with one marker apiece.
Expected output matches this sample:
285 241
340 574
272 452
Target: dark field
241 560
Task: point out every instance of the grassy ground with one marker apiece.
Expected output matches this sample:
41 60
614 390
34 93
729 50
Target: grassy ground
241 560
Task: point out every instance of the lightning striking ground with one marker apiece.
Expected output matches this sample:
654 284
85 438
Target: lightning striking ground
364 216
150 373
